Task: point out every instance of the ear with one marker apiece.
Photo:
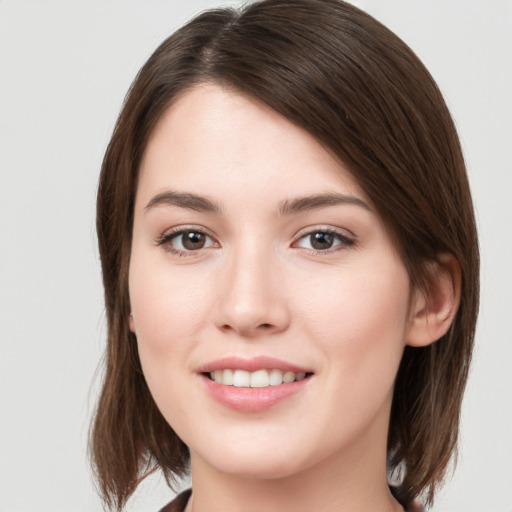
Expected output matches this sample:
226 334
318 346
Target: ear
434 309
131 322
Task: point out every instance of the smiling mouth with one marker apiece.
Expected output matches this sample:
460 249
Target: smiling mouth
257 379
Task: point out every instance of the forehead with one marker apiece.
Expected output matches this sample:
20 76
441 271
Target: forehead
215 140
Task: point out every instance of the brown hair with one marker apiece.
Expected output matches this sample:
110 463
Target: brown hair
358 89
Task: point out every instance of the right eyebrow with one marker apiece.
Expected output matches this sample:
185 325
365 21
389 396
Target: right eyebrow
183 200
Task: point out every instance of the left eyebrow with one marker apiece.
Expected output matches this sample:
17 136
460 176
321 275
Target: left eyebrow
301 204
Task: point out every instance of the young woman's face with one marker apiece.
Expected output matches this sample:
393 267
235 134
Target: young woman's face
257 257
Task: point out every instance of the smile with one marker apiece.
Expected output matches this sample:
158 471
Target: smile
255 384
257 379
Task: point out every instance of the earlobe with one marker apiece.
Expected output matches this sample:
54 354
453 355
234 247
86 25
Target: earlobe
131 322
434 309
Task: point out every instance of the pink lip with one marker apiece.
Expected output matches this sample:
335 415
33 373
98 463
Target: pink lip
251 365
251 399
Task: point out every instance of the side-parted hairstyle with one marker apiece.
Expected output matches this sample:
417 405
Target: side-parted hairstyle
360 91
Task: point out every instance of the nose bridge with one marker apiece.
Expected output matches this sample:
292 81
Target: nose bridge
250 301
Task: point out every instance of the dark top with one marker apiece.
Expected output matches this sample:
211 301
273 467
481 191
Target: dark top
179 503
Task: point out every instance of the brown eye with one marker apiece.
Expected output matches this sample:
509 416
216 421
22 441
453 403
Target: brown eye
186 241
192 240
321 241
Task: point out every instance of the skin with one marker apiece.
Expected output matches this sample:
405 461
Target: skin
257 287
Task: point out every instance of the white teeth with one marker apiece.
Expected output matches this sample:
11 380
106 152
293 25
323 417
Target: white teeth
257 379
276 377
260 379
241 379
227 377
288 377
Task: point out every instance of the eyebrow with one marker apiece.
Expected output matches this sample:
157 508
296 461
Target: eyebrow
286 207
184 200
302 204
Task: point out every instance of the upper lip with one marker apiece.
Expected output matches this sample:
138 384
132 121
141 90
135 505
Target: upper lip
251 365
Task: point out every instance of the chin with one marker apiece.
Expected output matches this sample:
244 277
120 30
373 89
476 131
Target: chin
257 467
250 459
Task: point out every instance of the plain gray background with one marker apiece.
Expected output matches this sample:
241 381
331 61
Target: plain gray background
64 69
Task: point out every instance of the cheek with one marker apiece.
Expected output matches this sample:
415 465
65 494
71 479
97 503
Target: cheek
359 327
169 308
169 311
356 299
360 322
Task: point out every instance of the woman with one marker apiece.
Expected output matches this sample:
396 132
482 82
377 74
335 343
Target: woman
290 265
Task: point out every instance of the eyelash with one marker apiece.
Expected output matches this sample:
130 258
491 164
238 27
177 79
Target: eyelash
166 239
344 240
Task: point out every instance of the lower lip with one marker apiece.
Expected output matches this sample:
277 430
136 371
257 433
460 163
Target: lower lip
252 399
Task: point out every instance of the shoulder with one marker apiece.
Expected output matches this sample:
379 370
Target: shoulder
179 503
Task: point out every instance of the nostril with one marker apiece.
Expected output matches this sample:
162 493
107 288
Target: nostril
265 327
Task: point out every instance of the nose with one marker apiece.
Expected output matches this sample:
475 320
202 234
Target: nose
252 299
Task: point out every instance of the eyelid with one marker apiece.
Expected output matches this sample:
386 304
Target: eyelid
325 228
168 235
347 238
